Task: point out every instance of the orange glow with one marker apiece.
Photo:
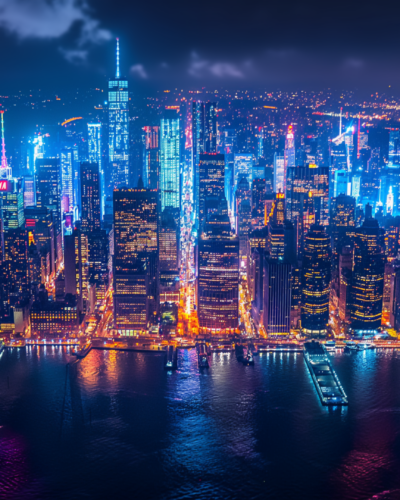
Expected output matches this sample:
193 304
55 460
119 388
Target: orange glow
312 165
71 120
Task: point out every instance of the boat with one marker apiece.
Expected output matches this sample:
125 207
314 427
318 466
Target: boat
352 346
171 358
83 351
363 346
202 355
330 345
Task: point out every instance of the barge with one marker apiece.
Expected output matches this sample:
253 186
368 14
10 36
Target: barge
326 381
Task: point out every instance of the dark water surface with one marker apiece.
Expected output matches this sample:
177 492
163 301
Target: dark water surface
116 425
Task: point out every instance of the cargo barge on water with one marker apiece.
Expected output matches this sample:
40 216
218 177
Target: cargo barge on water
326 381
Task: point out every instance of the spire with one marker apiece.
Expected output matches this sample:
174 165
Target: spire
117 60
4 164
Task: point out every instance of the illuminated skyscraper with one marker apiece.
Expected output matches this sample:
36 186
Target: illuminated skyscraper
212 183
342 221
67 176
135 258
316 276
277 296
394 147
368 275
170 160
307 198
95 156
48 188
279 174
204 140
151 163
243 167
90 197
290 153
118 128
218 276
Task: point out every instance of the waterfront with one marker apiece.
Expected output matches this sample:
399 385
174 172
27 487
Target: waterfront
117 425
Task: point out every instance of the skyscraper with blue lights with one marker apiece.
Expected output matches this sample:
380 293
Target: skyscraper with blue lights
118 128
94 151
169 160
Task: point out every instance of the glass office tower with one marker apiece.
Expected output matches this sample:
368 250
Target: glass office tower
94 149
169 160
118 126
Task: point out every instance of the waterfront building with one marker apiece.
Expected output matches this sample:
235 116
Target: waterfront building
90 197
76 265
316 275
170 160
218 276
118 127
277 296
368 275
136 213
55 319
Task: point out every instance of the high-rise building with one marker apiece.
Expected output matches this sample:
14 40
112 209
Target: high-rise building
218 276
341 182
316 275
212 183
277 296
170 160
307 198
95 156
151 152
67 176
290 154
258 203
394 147
279 174
368 275
136 213
342 221
204 140
118 128
48 188
90 197
168 258
243 167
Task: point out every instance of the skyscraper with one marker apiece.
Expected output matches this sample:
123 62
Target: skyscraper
277 296
151 163
316 275
118 128
279 174
290 153
212 183
135 258
95 156
67 176
243 167
218 276
204 140
368 275
170 160
48 188
90 197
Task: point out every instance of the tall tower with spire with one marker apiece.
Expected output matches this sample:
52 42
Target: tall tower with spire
118 127
5 171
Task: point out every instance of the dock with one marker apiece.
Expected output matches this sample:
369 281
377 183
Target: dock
83 350
326 381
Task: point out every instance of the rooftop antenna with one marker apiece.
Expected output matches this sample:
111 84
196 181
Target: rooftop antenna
4 164
117 58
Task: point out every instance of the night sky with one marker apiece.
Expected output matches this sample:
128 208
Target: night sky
55 44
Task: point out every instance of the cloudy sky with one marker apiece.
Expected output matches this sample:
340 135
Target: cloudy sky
311 44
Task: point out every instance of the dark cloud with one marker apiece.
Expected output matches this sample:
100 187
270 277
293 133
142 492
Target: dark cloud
300 44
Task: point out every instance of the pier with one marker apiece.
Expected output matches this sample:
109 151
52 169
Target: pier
326 381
